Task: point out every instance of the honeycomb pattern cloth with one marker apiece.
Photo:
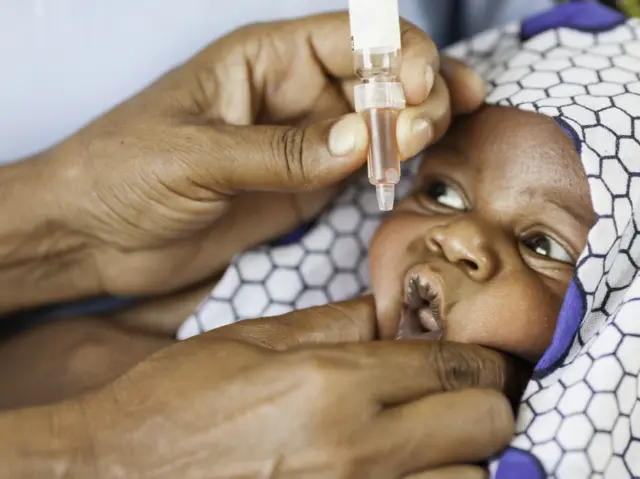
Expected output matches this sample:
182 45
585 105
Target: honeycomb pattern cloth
580 415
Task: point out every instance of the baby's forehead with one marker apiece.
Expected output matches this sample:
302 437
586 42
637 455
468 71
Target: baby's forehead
578 65
500 152
499 141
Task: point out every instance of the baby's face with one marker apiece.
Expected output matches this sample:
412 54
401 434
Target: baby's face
486 243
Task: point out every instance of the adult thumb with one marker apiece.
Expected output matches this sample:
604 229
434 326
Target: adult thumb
286 158
344 322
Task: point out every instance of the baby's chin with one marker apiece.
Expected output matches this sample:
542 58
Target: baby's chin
469 313
397 322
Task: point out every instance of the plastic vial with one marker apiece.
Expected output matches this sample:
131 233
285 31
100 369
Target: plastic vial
375 42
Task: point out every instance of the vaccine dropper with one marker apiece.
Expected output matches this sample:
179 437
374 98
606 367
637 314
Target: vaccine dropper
375 42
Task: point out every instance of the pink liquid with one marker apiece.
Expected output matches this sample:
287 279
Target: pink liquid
384 160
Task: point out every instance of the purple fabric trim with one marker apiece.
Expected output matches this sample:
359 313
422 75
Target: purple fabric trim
519 464
568 324
571 132
586 16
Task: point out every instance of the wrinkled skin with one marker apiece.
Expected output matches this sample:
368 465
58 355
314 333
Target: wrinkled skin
352 409
166 175
307 394
142 200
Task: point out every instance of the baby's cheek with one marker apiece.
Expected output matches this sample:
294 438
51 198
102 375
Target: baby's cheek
386 249
516 316
390 256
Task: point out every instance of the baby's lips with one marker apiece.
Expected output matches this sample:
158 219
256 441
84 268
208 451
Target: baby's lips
409 328
427 276
428 320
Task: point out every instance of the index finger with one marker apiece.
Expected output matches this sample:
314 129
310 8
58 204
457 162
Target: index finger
348 321
328 37
458 427
402 371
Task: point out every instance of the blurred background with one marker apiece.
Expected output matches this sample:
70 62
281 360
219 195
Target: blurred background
63 62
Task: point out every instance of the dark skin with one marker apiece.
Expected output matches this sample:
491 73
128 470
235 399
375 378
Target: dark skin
141 201
285 362
492 171
149 199
499 214
535 240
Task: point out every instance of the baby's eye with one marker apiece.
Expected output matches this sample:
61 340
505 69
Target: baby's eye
445 195
545 246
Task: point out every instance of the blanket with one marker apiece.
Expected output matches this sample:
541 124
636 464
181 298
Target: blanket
580 415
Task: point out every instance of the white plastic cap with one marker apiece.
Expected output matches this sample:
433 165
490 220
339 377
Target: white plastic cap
378 95
375 24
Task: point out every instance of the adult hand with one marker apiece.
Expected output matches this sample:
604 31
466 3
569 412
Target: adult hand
303 395
167 187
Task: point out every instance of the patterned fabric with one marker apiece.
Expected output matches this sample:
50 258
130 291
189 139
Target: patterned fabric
321 263
580 414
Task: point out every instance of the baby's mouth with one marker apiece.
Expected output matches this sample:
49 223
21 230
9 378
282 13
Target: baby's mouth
422 311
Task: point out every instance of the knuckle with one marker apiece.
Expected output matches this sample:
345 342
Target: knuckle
288 150
455 367
318 371
409 31
412 37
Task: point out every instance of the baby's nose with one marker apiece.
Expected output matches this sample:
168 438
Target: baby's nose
464 243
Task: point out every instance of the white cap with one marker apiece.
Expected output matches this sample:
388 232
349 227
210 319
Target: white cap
375 24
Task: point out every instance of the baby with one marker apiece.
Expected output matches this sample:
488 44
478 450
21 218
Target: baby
484 247
520 233
481 250
515 221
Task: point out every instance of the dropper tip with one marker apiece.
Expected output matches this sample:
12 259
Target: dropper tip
385 194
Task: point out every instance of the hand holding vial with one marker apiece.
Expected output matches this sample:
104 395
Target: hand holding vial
375 41
380 97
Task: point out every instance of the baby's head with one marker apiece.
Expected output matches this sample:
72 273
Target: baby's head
487 242
485 245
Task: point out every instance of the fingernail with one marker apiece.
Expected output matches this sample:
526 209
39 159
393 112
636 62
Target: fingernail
342 137
430 78
421 129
